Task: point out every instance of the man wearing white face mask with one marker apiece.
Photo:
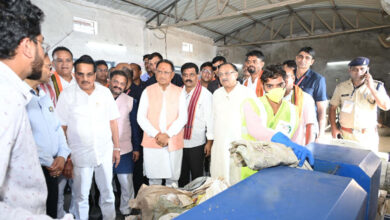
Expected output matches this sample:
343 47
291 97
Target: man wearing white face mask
270 118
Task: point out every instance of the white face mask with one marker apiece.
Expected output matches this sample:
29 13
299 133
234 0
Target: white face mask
276 95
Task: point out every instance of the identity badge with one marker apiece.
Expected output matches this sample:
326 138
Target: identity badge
347 106
284 127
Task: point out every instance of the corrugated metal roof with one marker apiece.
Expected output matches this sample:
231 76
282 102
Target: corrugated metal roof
217 28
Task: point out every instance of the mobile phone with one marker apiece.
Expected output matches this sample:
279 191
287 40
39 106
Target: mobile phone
364 75
339 136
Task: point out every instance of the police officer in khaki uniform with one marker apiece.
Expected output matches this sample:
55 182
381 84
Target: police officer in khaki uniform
358 99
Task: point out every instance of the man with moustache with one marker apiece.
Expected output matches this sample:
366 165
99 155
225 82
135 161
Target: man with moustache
61 79
154 58
206 70
88 113
131 89
129 140
102 73
216 83
49 136
254 65
135 92
23 189
162 115
63 64
198 132
304 103
358 99
227 118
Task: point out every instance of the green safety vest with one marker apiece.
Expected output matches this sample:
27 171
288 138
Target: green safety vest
285 120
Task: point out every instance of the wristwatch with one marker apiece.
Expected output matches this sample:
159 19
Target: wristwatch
117 149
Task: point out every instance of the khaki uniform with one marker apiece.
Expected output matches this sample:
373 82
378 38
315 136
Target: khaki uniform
358 113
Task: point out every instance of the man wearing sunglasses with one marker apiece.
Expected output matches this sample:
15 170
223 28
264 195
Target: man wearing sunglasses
215 84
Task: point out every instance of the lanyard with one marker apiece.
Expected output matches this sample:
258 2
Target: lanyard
299 82
355 88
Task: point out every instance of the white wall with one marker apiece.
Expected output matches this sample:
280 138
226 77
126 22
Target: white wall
117 28
203 49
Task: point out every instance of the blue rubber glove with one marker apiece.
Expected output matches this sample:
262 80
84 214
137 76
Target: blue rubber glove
301 152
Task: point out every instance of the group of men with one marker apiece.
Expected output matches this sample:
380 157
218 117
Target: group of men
77 122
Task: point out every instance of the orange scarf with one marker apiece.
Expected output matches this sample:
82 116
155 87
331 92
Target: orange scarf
259 86
55 78
297 99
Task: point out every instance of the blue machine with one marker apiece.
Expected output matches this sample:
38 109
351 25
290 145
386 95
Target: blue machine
361 165
290 193
286 193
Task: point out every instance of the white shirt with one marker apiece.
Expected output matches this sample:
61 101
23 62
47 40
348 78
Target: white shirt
87 118
252 86
23 189
202 126
176 126
65 84
308 116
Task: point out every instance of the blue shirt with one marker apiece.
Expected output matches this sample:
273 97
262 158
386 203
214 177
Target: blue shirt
46 127
144 77
314 84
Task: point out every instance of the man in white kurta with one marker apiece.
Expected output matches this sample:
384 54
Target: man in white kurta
63 65
88 113
162 150
227 118
61 79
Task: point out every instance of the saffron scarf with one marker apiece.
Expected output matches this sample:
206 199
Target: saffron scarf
57 84
259 86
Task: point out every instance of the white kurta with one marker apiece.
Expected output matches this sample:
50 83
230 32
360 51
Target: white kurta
87 118
159 162
227 127
252 86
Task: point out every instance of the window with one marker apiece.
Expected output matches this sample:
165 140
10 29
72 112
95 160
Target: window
84 25
187 47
